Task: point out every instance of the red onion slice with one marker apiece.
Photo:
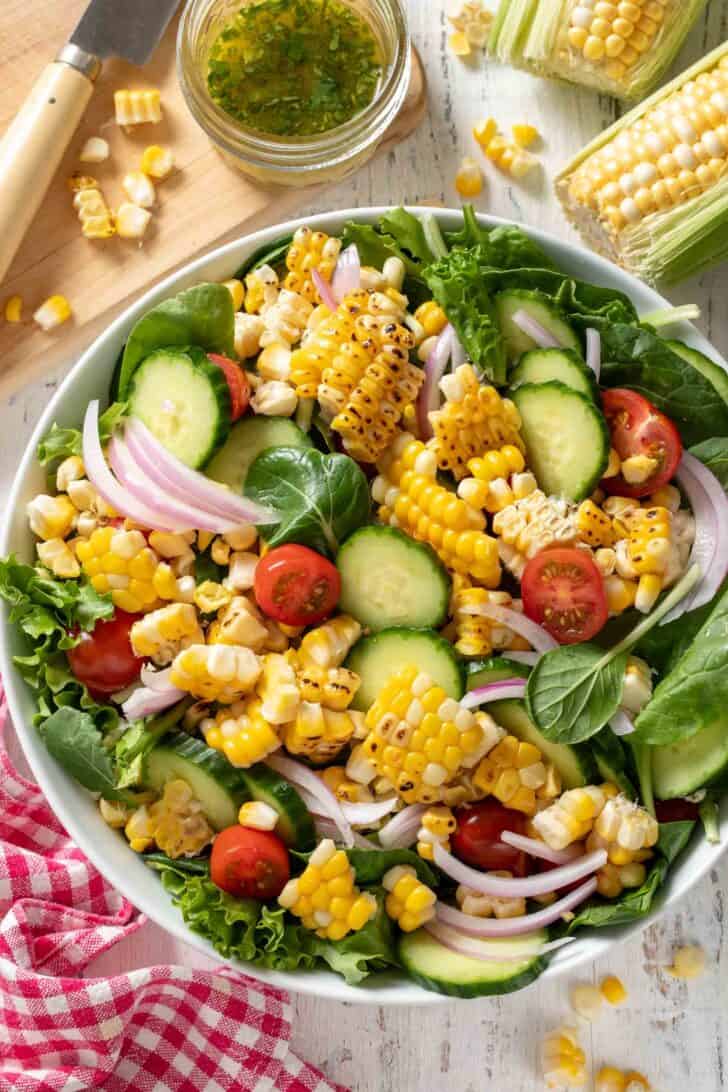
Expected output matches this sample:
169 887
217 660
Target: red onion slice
367 814
327 828
459 355
524 923
538 333
528 658
155 680
401 831
508 688
594 351
478 948
324 290
144 701
188 485
621 724
302 777
518 887
347 275
429 396
531 631
534 848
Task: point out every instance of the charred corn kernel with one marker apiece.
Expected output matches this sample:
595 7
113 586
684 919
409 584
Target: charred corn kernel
637 686
687 962
484 131
310 250
419 739
438 823
594 526
474 422
373 410
162 633
512 772
333 687
487 906
114 814
328 645
139 188
121 563
325 896
176 823
613 990
278 689
342 786
52 312
620 593
469 177
220 672
524 135
409 902
51 517
262 288
93 212
562 1059
586 1001
531 524
241 732
570 818
476 634
610 1079
210 596
432 317
285 320
131 220
239 623
258 815
137 107
14 309
624 825
319 734
58 557
157 162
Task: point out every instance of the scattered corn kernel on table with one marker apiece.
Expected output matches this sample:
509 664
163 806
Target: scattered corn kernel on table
673 1031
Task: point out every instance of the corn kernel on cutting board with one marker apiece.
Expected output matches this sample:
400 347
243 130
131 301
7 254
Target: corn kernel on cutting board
203 203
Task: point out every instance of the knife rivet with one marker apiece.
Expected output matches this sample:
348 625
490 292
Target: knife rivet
52 102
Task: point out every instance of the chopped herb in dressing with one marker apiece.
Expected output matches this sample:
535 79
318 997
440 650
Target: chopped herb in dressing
294 68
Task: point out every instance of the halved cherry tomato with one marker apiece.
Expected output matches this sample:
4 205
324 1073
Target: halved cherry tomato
103 659
477 838
250 864
237 384
639 428
676 811
563 591
296 585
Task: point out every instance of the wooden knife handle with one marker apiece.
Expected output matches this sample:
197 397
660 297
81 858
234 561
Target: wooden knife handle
33 147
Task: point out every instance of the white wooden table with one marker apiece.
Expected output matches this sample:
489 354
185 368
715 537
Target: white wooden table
676 1033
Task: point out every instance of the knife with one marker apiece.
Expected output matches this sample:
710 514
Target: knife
35 142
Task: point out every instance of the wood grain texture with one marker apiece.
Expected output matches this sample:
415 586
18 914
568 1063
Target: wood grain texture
677 1034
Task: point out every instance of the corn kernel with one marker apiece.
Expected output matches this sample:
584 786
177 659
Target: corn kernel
613 990
53 312
132 221
157 162
687 962
13 309
525 135
469 178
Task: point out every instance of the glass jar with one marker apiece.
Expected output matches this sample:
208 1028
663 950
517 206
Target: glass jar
295 161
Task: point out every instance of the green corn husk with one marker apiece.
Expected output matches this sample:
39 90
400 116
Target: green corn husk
531 34
665 247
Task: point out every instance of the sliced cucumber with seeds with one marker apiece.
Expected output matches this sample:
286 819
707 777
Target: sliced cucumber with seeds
542 365
218 786
184 400
295 824
388 579
566 437
246 441
375 659
438 968
538 307
690 764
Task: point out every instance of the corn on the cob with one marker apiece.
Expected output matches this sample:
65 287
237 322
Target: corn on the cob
13 309
258 815
515 773
476 635
571 817
375 406
220 673
530 525
51 517
239 623
594 526
325 896
652 191
489 486
343 787
328 645
438 823
137 107
319 734
121 563
409 902
241 732
58 556
310 250
162 633
93 212
489 906
278 688
175 823
52 312
411 498
562 1059
333 687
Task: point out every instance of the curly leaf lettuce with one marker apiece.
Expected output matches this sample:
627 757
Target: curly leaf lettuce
60 443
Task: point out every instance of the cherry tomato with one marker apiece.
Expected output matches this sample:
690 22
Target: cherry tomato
477 838
296 585
639 428
676 811
103 659
563 591
250 864
237 384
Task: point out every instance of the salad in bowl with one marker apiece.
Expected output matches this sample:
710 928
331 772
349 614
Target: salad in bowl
378 607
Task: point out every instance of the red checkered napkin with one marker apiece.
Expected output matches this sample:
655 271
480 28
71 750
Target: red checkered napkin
159 1029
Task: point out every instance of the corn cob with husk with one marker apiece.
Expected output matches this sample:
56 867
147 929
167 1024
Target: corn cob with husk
651 192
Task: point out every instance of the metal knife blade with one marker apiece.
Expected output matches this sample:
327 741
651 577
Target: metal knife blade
130 29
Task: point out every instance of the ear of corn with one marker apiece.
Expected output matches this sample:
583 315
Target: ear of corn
242 733
162 633
93 212
530 525
121 563
325 896
515 773
222 673
328 645
318 733
334 687
310 250
175 823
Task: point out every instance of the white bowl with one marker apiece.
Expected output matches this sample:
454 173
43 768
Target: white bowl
74 806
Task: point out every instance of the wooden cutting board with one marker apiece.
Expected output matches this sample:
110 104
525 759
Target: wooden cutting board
203 203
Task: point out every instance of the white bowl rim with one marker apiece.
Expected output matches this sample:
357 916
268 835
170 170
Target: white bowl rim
385 989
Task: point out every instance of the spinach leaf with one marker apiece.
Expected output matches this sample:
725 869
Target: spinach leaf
59 443
321 498
664 646
695 693
76 744
407 231
201 316
272 254
359 954
585 304
207 569
635 357
371 864
714 454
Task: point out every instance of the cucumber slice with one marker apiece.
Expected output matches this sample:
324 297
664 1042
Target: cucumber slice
438 968
542 365
539 307
703 364
566 437
485 672
388 579
375 659
295 824
684 767
217 785
184 400
246 441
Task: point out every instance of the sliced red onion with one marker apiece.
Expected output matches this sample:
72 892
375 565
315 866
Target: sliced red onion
538 333
531 631
327 828
459 355
594 351
710 547
534 848
323 288
429 396
526 886
155 680
401 831
301 777
347 275
366 814
145 701
508 688
524 923
185 484
529 658
621 724
478 948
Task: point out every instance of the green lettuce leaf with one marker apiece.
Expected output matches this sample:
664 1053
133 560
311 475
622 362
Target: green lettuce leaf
272 254
407 231
376 246
714 454
665 645
362 953
228 923
371 864
505 247
59 443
